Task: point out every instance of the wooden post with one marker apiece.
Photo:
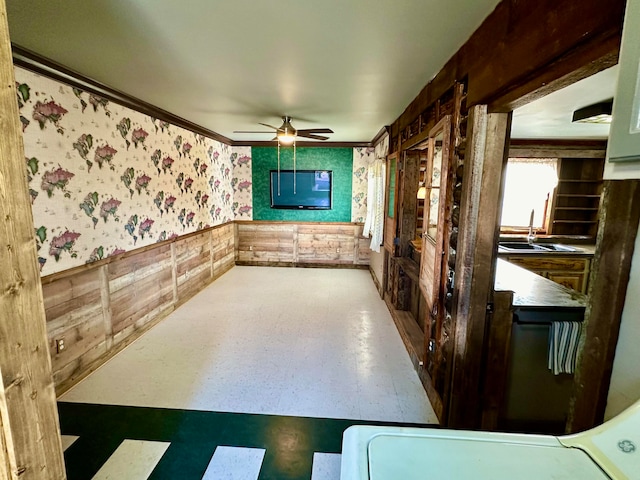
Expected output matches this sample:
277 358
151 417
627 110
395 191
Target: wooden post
30 429
487 149
619 219
498 349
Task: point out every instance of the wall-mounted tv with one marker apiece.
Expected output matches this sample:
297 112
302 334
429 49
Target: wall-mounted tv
311 190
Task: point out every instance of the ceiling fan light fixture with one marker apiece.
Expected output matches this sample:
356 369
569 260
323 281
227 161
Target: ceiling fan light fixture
596 113
286 138
286 133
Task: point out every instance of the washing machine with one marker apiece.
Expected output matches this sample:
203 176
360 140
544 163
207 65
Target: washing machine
609 451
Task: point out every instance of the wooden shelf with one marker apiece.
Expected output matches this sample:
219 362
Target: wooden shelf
579 209
578 180
574 207
577 195
576 221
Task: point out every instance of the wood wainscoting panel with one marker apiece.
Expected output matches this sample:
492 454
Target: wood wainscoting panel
325 244
98 309
265 243
140 287
305 243
73 307
363 253
223 249
193 265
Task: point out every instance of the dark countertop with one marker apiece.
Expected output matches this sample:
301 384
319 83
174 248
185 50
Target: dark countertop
581 251
531 290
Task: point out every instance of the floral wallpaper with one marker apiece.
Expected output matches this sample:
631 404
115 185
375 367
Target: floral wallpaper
362 157
242 183
105 179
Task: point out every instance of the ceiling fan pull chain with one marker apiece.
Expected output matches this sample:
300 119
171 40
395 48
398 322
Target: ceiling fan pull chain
294 166
278 168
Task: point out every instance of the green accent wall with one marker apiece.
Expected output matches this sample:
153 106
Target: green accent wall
338 160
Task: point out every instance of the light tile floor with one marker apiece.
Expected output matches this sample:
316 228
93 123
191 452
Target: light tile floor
267 340
234 463
134 459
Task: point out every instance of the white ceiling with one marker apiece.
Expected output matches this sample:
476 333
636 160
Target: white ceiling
350 65
550 117
226 65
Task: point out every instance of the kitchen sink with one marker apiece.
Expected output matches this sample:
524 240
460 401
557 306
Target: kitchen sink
547 247
521 246
561 248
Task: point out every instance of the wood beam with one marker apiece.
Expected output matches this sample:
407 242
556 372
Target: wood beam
535 44
619 220
558 148
480 208
30 433
524 50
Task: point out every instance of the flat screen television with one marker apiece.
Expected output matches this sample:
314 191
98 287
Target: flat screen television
311 191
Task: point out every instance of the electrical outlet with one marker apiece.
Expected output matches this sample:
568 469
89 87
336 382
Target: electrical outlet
337 250
251 248
60 345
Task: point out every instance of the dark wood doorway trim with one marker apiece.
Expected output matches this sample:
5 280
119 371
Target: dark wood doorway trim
475 263
620 216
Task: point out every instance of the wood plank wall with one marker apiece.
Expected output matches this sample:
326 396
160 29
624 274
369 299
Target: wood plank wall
100 308
290 244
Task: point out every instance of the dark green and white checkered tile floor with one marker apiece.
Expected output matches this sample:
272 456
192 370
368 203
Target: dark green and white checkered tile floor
119 442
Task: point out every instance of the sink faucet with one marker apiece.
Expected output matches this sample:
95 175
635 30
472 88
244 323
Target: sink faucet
531 237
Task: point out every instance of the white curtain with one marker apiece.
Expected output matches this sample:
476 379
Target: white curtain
374 222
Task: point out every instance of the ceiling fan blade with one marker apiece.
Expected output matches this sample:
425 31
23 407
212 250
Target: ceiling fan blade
314 130
311 135
249 131
270 126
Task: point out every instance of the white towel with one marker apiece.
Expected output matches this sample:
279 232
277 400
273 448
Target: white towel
563 346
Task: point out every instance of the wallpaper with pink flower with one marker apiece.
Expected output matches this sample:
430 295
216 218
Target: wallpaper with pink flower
242 183
105 179
362 157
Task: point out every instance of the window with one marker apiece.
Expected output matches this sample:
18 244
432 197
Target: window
529 184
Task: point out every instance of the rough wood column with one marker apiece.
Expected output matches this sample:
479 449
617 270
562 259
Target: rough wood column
30 429
499 346
619 218
485 157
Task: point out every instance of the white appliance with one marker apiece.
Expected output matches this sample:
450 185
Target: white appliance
609 451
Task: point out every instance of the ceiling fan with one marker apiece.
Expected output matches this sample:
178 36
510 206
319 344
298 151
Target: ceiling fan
286 133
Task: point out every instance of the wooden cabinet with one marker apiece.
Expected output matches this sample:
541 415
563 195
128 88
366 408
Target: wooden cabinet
570 271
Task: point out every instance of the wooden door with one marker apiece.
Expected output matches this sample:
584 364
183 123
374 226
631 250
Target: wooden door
434 231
